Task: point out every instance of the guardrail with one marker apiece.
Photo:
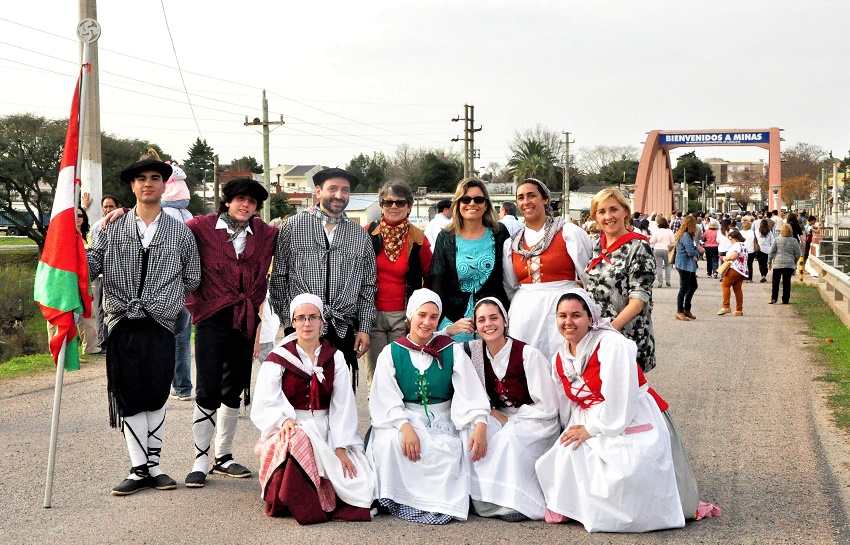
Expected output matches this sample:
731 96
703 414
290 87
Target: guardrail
834 288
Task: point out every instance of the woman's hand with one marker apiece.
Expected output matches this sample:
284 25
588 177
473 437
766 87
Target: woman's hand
288 428
348 469
574 434
410 443
478 442
464 325
501 418
85 200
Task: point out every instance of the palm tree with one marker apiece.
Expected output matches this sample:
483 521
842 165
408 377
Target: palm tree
533 158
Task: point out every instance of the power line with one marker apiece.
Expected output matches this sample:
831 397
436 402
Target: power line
179 71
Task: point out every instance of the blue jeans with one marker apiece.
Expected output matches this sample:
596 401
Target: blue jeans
181 384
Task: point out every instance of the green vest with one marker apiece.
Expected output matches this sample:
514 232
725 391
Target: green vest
439 381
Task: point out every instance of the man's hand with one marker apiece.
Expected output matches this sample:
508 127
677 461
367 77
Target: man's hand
361 343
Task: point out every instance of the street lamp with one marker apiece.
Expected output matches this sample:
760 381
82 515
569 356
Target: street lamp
775 190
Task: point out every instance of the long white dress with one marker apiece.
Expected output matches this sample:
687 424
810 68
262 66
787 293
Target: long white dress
439 481
622 478
505 476
532 312
327 429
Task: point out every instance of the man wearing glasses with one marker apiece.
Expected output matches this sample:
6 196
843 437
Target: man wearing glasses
321 251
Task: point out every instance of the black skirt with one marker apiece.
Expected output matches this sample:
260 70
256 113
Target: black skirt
139 367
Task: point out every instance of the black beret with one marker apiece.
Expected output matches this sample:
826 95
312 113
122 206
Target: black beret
328 173
245 186
129 174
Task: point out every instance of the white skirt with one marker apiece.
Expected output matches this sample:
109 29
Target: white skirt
532 317
439 481
506 475
624 483
358 491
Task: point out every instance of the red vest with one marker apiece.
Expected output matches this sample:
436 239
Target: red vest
304 391
512 390
593 384
555 263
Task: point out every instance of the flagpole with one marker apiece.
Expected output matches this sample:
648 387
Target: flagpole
88 31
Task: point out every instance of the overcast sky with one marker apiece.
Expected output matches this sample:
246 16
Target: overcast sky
352 77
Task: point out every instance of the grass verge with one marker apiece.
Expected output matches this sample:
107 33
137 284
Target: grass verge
26 365
832 344
16 241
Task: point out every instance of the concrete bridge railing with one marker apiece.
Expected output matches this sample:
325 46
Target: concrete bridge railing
834 288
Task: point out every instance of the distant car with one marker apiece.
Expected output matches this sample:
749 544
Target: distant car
10 223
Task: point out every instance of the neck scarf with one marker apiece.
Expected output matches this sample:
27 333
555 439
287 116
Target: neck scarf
433 348
550 229
234 226
324 216
606 251
394 237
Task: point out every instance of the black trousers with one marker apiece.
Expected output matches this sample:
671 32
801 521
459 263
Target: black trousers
687 288
223 358
785 275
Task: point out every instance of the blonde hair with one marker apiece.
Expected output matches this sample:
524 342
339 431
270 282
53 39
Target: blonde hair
746 225
689 225
489 219
617 195
787 230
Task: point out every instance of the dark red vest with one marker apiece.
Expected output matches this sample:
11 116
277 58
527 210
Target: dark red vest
512 390
593 383
304 391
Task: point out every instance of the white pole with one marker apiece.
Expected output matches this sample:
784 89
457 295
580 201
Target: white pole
54 426
834 212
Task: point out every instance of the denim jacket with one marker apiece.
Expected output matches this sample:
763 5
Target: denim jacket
686 251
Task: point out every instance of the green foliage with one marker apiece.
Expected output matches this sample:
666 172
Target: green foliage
696 169
200 159
279 206
438 174
244 164
116 155
22 327
537 153
835 355
372 171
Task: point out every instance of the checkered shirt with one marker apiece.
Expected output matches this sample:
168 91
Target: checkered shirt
675 223
174 270
341 273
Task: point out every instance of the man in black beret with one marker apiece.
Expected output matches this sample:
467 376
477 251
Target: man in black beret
236 249
149 263
321 251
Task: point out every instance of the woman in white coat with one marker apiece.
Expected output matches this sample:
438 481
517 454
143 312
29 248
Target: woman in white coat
612 468
313 464
424 393
523 420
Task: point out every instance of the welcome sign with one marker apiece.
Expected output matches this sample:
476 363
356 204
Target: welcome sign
714 138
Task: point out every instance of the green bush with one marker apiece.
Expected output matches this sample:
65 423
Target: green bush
22 327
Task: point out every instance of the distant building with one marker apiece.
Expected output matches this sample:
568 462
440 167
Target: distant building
725 173
293 179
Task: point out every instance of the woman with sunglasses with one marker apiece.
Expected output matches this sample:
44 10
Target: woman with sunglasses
305 410
542 260
402 257
467 263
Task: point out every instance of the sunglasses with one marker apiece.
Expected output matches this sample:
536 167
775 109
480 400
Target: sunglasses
79 215
478 200
389 203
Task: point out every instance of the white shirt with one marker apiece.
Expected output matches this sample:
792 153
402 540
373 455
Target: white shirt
241 238
511 223
434 227
146 232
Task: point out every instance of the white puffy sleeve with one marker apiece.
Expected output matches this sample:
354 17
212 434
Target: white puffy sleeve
618 373
270 408
342 413
579 246
386 401
509 279
540 386
470 404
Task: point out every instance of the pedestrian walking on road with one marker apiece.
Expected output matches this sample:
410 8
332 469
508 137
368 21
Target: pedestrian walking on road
735 276
783 258
711 245
687 255
661 240
149 262
765 239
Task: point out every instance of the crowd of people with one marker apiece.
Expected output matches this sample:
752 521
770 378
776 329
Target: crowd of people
506 361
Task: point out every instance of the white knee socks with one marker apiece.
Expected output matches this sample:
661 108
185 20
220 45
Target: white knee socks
203 428
227 422
156 432
135 430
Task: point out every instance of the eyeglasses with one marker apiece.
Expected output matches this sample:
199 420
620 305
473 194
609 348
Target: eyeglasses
310 318
389 203
467 199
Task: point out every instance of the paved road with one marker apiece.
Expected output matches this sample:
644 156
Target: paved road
740 390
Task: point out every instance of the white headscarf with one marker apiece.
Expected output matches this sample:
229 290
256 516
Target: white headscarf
599 326
596 319
419 298
305 298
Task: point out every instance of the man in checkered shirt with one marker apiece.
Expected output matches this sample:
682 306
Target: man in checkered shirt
149 262
321 251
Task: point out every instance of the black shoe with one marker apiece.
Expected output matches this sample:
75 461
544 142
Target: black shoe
163 482
131 486
196 479
235 470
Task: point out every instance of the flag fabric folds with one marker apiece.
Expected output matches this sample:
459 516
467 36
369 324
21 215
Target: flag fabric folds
62 287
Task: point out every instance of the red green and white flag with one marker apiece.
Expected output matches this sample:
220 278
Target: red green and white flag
62 279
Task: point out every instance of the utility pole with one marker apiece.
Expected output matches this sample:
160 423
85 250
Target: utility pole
91 169
834 210
822 196
265 123
566 196
469 130
216 188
